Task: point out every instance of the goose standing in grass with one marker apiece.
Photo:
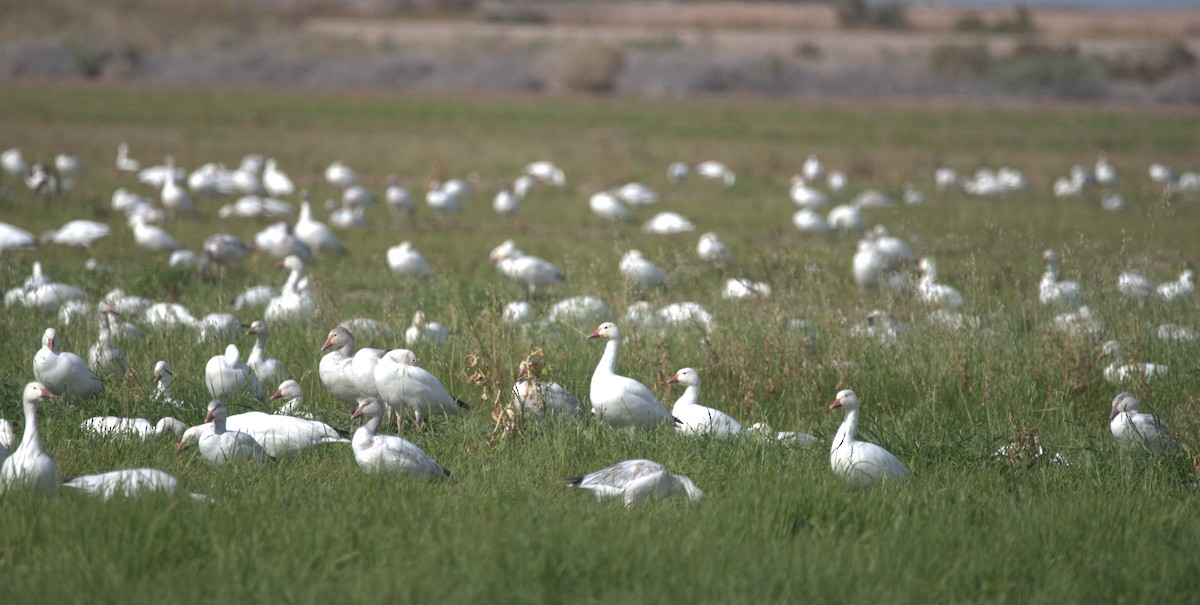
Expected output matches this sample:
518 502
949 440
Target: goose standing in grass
425 332
1055 293
537 398
164 378
124 162
1181 290
227 377
376 453
105 356
696 419
1134 286
406 387
29 466
1132 428
222 250
175 199
529 271
406 261
639 272
1118 373
787 437
633 481
618 400
270 371
222 446
131 483
64 373
315 234
293 395
712 250
861 463
335 368
278 240
115 426
932 293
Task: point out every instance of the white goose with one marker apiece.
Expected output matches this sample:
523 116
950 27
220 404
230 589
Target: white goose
1055 293
124 162
278 240
114 426
315 234
341 175
64 373
1118 373
130 483
861 463
387 453
668 223
152 237
398 199
696 419
788 437
221 446
335 367
607 206
1131 428
8 439
530 271
280 436
164 378
291 391
423 332
270 371
712 250
77 233
633 481
15 238
1134 286
406 261
275 181
640 272
506 202
175 198
716 171
406 387
536 398
1181 290
636 194
616 399
105 356
29 465
227 377
932 293
808 221
292 304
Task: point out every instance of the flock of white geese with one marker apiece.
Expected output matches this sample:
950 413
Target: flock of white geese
377 384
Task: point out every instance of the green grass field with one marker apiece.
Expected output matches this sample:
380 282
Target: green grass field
776 525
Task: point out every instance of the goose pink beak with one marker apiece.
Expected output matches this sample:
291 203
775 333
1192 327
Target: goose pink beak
357 413
208 417
673 380
182 446
328 343
47 393
595 334
278 394
837 403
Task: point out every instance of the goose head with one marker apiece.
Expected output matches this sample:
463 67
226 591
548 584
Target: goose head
49 338
338 338
289 389
846 399
369 407
687 377
163 374
257 327
1122 403
36 392
607 331
216 411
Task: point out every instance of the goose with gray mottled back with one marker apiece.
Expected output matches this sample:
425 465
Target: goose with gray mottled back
634 481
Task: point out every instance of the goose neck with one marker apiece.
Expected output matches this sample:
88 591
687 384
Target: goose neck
32 438
845 434
608 361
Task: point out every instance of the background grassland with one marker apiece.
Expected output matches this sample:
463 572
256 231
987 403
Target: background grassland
775 524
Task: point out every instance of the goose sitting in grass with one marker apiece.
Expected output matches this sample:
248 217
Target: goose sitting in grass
270 372
227 377
293 395
537 398
634 481
130 483
376 453
1118 373
64 373
696 419
860 463
220 446
618 400
114 426
1132 428
765 431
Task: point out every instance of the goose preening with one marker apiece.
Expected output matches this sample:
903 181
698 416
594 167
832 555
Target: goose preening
425 332
226 377
29 466
618 400
292 304
668 223
293 395
105 357
406 261
1055 293
712 250
607 206
537 398
640 272
633 481
1118 373
64 373
861 463
1132 428
164 378
387 453
220 446
765 431
695 419
131 483
270 371
529 271
115 426
348 373
932 293
406 388
78 233
315 234
1181 290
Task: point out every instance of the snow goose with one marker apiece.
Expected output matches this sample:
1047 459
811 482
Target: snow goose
65 373
124 162
105 357
224 251
695 419
1177 332
578 310
254 206
335 367
712 250
151 237
873 198
405 387
1106 174
39 293
677 172
607 206
1118 373
278 240
836 181
8 439
214 326
164 378
226 377
175 199
294 395
636 194
13 162
1078 322
166 316
686 314
523 185
787 437
806 196
1132 428
668 223
78 233
270 371
275 181
932 293
292 304
1055 293
529 271
847 218
440 200
341 175
517 312
68 165
861 463
633 481
911 195
221 446
399 200
537 398
1133 286
716 171
422 331
546 172
808 221
130 483
15 238
812 169
894 250
280 436
618 400
742 288
315 234
1180 290
639 272
29 465
506 202
387 453
182 258
114 426
348 217
406 261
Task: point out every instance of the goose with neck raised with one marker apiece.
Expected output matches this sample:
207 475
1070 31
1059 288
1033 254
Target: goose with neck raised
292 303
860 463
1131 427
105 356
174 197
406 388
64 373
347 372
618 400
1180 290
293 395
1055 293
315 234
425 332
937 295
221 446
376 453
227 377
164 378
29 466
634 481
694 418
270 371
